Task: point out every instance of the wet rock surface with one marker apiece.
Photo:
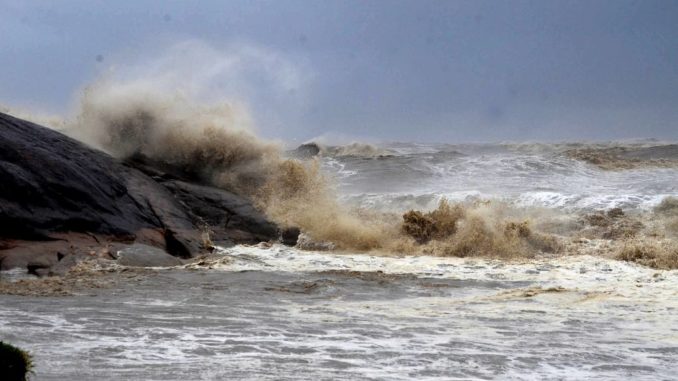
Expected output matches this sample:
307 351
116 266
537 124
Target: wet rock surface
52 183
59 197
228 216
140 255
305 151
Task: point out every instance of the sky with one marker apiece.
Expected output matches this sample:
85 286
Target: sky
390 70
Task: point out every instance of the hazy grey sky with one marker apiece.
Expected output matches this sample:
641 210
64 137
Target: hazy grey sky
392 70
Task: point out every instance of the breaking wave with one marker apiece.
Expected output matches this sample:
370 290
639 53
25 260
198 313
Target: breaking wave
501 200
216 143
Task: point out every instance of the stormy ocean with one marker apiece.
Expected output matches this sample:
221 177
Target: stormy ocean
339 190
318 312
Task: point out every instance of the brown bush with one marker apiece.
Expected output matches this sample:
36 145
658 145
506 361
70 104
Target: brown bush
668 206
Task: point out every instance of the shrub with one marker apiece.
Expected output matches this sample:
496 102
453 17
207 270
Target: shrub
15 363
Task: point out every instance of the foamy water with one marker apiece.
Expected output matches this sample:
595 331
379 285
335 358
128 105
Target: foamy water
280 313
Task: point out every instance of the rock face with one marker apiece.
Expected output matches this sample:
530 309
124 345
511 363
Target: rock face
51 183
228 216
59 197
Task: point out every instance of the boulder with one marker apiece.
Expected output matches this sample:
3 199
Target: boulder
140 255
64 264
290 236
31 255
305 151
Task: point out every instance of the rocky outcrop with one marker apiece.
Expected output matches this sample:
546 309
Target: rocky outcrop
51 183
229 217
59 198
305 151
140 255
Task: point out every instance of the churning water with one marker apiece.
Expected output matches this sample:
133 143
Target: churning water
280 313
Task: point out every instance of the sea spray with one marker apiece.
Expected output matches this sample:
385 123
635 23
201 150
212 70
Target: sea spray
161 112
217 144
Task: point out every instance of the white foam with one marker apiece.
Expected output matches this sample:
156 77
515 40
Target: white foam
586 273
601 317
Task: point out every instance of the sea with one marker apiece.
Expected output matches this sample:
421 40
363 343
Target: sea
272 312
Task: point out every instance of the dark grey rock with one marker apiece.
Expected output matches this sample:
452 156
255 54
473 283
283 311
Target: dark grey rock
140 255
50 182
55 190
65 264
305 151
40 265
290 236
229 217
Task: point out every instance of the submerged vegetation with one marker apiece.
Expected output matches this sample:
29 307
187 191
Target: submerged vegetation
15 363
